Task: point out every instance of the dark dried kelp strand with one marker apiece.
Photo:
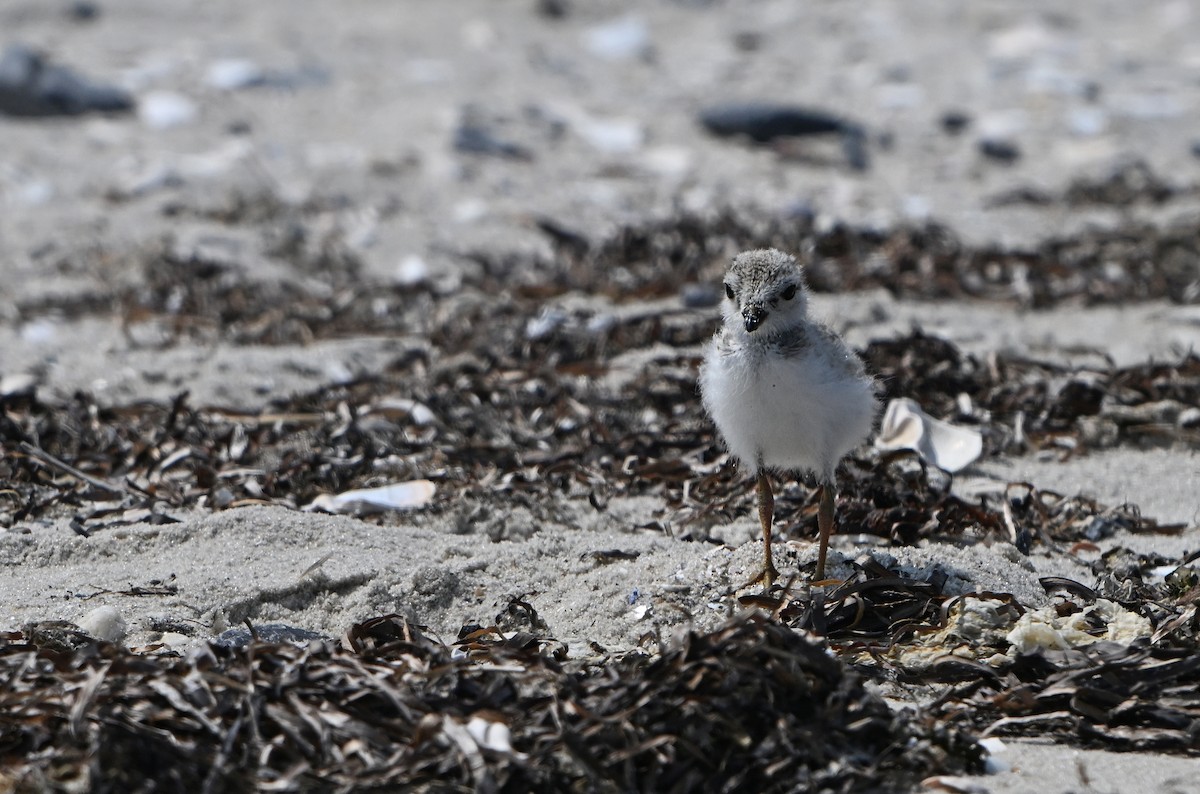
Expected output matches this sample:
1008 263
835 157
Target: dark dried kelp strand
753 704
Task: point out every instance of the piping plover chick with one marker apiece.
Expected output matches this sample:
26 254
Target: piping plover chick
786 392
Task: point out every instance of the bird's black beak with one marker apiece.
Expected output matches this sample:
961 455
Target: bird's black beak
753 316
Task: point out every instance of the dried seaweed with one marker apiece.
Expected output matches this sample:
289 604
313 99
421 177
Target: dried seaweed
1022 404
1119 697
1143 695
538 402
1132 262
509 424
1126 185
753 704
203 290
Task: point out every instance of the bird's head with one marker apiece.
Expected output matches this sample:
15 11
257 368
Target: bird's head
764 291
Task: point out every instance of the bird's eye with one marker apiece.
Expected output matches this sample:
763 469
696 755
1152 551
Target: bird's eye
729 292
789 293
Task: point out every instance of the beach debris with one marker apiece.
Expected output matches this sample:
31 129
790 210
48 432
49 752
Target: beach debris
60 636
766 122
974 631
104 623
498 416
1002 150
623 38
997 760
17 385
1121 697
906 426
750 704
1047 629
412 271
32 85
527 424
403 407
234 74
477 134
269 633
396 496
161 110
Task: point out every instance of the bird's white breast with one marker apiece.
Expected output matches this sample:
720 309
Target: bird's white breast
788 412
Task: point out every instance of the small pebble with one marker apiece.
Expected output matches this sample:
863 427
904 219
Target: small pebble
611 136
553 9
83 11
1000 150
473 137
174 639
955 121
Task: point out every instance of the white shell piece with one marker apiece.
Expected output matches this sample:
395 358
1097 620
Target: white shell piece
397 496
997 759
490 735
104 623
947 446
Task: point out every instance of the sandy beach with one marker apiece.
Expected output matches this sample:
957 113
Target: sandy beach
477 247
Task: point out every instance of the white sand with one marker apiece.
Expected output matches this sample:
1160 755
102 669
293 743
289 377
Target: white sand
378 129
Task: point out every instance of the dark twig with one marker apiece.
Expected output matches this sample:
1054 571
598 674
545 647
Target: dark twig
48 459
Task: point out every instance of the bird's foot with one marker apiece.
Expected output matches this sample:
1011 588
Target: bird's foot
767 576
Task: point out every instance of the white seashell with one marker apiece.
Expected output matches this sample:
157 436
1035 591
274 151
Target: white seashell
947 446
231 74
160 110
397 496
104 623
411 271
18 383
490 735
619 39
404 407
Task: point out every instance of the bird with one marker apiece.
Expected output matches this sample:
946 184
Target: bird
786 393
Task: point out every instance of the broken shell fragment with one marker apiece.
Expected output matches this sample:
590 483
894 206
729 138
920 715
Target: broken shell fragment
104 623
18 384
397 496
1046 629
947 446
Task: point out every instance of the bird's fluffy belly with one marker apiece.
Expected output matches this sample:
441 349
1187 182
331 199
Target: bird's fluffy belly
796 413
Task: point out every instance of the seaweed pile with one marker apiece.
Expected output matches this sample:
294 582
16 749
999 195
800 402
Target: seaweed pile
754 704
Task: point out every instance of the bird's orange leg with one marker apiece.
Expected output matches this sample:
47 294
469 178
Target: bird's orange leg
766 515
825 523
